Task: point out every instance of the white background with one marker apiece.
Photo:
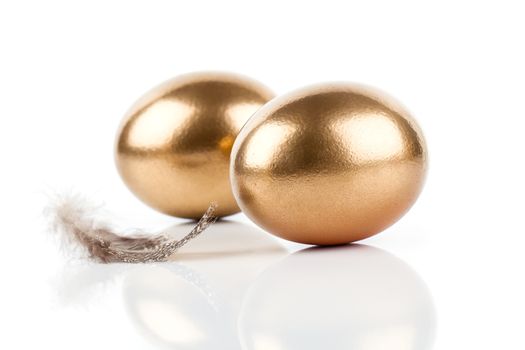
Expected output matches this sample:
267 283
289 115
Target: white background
69 71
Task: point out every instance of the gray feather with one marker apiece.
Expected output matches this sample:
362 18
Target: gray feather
75 219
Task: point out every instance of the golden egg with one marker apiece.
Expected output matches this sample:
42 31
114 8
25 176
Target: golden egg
173 146
328 164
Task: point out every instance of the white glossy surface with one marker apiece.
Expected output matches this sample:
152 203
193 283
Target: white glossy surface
238 288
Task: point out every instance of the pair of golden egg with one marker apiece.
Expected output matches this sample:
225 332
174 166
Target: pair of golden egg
327 164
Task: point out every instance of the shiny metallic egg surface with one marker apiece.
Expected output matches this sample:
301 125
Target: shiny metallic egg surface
173 146
328 164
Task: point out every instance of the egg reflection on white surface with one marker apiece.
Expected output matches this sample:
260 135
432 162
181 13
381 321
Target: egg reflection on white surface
175 308
351 297
193 302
